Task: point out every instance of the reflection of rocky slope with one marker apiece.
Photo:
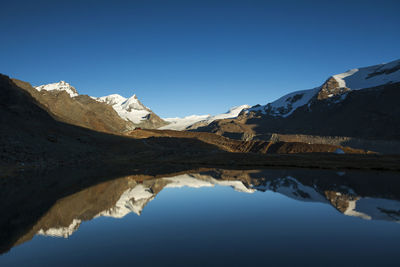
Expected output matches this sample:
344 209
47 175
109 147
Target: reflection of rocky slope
118 198
344 199
368 96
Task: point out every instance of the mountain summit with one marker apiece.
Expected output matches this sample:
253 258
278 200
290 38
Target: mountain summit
60 86
339 84
132 110
113 113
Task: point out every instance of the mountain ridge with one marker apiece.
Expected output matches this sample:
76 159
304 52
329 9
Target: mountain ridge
131 111
341 107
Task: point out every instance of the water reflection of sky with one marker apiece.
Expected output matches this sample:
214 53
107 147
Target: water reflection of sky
219 226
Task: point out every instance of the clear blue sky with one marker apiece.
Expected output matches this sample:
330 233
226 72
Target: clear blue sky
194 57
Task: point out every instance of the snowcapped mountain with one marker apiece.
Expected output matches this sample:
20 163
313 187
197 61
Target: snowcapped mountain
60 86
190 121
129 109
358 104
339 84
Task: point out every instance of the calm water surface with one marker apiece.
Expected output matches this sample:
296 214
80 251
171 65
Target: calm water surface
218 217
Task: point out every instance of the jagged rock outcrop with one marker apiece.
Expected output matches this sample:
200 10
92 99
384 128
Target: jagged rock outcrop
331 88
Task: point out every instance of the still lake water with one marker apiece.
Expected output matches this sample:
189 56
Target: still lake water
220 218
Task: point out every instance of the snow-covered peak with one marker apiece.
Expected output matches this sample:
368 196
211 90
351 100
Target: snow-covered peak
285 105
111 99
133 103
371 76
183 123
338 84
179 124
129 109
231 113
60 86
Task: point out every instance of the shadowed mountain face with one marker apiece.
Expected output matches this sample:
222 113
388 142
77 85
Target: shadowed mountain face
370 196
32 137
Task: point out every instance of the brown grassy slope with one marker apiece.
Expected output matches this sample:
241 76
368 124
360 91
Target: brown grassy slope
81 110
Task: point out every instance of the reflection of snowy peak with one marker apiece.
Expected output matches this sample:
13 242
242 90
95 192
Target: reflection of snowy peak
132 200
62 231
365 207
60 86
346 201
292 188
199 180
111 100
134 196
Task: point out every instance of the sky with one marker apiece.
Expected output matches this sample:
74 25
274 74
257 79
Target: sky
194 57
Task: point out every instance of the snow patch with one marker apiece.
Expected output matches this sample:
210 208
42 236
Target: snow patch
287 104
183 123
179 124
371 76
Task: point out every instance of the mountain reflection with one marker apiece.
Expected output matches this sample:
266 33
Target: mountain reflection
370 196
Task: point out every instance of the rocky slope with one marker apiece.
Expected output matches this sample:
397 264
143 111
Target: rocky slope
63 102
361 103
113 114
34 137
